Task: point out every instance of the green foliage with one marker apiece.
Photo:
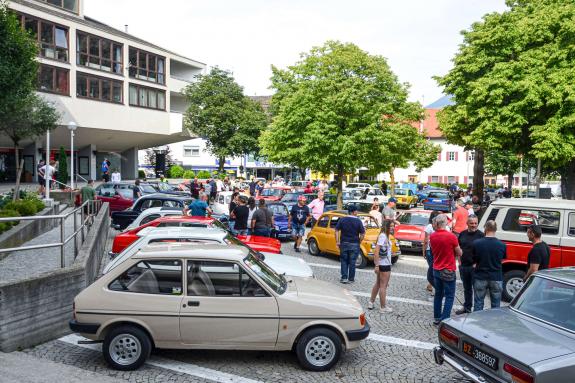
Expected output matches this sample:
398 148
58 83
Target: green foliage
24 207
62 176
203 174
219 112
141 174
175 171
189 174
4 213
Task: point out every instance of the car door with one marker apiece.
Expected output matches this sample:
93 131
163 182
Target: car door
319 231
568 240
330 235
226 307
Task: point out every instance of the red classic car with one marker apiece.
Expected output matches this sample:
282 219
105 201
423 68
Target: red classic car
274 193
411 232
263 244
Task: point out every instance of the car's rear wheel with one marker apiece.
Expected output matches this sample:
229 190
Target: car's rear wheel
312 247
361 261
394 260
126 348
512 283
318 349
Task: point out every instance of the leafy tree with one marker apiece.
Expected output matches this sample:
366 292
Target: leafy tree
220 113
512 84
328 110
62 176
175 171
189 174
203 174
150 156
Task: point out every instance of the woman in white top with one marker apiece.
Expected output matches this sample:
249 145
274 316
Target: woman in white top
252 209
429 229
376 214
382 261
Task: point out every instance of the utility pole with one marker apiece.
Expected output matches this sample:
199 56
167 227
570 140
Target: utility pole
538 178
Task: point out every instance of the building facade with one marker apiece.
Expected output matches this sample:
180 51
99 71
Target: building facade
122 92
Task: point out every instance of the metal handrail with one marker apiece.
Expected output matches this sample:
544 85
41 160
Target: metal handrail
77 175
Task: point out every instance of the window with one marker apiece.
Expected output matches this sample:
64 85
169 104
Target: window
147 66
97 53
521 219
70 5
323 221
493 215
52 39
191 151
471 156
151 277
571 225
149 218
435 179
53 80
450 156
98 88
333 222
451 179
217 279
147 97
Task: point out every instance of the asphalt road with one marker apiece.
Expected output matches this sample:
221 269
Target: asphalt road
398 349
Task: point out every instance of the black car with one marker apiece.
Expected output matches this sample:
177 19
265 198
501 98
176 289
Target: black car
121 219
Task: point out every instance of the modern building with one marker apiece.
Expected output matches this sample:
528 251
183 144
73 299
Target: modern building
122 92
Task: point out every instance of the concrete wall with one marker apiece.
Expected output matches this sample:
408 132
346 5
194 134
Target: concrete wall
130 164
38 309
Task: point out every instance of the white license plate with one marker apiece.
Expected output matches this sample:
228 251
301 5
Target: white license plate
405 243
436 201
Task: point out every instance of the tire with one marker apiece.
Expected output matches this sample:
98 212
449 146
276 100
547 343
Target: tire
126 348
394 260
313 247
318 349
361 261
512 280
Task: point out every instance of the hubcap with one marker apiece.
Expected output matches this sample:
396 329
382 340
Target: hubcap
358 260
313 247
513 286
320 351
125 349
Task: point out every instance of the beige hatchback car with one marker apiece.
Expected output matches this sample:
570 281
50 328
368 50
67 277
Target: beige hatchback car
190 296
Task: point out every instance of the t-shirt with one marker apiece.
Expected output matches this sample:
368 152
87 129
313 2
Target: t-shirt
377 216
135 191
198 208
539 253
466 239
208 188
233 205
460 216
252 188
242 213
105 166
213 187
443 244
48 171
389 213
488 252
429 230
316 207
116 177
351 227
299 214
88 193
263 217
252 211
384 250
195 189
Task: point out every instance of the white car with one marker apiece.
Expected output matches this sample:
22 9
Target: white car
357 185
221 205
373 193
282 264
152 213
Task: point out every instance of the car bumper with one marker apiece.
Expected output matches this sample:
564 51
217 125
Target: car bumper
356 335
84 328
437 207
412 246
443 356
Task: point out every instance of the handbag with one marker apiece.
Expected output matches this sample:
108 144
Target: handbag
447 275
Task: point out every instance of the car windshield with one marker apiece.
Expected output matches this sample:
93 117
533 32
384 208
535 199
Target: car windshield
162 186
125 193
417 219
275 281
368 221
278 209
548 300
147 189
290 197
352 186
401 191
272 192
438 195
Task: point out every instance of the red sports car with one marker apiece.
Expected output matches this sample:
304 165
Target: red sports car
263 244
274 193
411 232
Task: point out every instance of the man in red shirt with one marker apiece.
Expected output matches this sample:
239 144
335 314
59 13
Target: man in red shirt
460 215
445 248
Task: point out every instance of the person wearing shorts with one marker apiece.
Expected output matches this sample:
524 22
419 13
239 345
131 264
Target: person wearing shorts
297 220
382 262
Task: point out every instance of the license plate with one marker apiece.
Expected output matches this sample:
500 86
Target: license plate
481 356
405 243
436 201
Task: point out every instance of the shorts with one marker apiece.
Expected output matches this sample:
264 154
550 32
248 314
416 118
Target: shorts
384 269
106 177
41 181
297 230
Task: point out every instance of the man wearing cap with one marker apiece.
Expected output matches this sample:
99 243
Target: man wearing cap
297 220
316 207
349 233
389 212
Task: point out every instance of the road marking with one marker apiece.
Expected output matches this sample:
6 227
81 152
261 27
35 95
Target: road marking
412 259
395 299
402 342
180 367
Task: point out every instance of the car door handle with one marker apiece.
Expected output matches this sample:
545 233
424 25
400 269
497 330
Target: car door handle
193 303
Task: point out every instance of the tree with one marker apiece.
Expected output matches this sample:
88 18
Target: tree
512 85
220 113
150 156
62 169
23 114
327 112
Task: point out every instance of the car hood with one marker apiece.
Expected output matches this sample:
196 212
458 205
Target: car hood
292 266
409 232
327 296
259 243
512 334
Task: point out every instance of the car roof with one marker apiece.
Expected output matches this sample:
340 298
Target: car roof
153 210
183 232
344 213
534 203
186 218
170 197
191 250
565 274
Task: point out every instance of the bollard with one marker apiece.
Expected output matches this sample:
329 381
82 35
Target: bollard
62 239
75 234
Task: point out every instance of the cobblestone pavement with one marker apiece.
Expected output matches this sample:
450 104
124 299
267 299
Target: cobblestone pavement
398 350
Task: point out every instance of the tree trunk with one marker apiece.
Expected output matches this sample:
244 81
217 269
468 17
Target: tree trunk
19 166
391 189
510 181
302 172
222 162
340 188
479 174
568 181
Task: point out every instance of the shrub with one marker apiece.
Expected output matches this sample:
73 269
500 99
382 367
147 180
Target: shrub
175 171
189 174
9 213
142 174
24 207
4 226
203 174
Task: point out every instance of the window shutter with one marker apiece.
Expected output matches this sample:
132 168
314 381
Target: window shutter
465 180
456 177
446 156
439 156
456 156
428 179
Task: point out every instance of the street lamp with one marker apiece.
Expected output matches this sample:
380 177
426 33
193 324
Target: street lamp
72 127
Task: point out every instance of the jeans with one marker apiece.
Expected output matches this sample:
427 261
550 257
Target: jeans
429 259
348 253
443 289
261 232
480 287
466 275
240 232
231 225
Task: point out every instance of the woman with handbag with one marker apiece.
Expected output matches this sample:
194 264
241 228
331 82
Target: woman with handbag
382 262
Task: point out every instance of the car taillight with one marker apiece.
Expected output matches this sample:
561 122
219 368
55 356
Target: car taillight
425 200
517 374
448 337
362 319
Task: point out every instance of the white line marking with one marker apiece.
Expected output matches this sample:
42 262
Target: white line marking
414 260
395 299
181 367
402 342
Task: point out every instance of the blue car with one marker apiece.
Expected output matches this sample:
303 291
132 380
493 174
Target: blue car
438 200
422 194
281 220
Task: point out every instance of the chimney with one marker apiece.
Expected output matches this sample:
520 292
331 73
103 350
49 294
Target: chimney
126 28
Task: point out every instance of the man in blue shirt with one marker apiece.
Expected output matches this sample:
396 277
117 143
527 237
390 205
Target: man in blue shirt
199 207
297 220
349 233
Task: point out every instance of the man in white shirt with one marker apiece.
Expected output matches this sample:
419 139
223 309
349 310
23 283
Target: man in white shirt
116 176
219 185
48 172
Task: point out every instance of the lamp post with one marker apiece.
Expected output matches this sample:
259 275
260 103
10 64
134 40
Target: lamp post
72 127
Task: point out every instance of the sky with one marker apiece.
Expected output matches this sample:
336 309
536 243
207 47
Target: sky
419 38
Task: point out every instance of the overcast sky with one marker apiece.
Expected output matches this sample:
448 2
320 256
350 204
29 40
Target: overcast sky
418 37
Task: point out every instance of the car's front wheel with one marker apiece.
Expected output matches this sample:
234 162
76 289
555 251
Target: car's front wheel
126 348
394 260
319 349
312 247
512 283
361 261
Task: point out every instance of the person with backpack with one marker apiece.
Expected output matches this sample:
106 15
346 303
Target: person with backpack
540 253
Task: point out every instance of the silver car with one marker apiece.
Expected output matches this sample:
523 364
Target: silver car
531 341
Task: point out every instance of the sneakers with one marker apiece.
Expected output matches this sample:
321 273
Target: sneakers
462 311
385 310
436 322
343 280
297 250
295 245
351 281
370 305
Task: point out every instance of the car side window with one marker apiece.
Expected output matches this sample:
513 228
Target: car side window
151 277
106 192
323 221
149 218
571 228
333 222
150 203
221 279
169 204
521 219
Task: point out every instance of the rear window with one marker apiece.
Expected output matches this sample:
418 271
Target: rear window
417 219
438 195
521 219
